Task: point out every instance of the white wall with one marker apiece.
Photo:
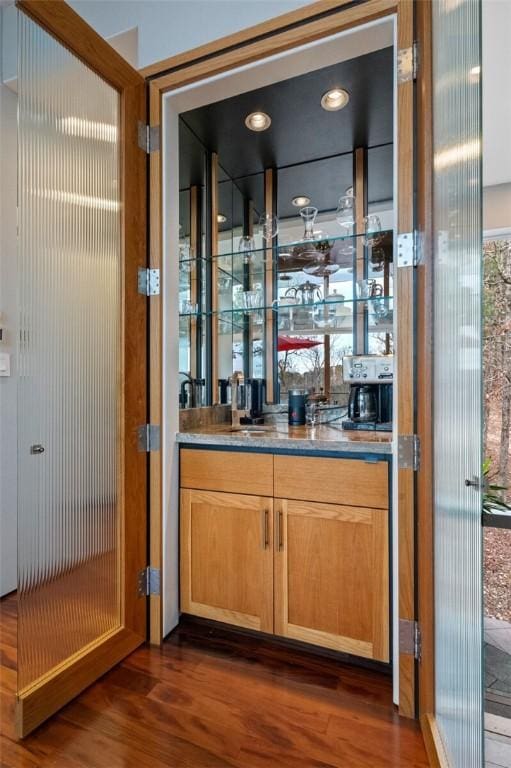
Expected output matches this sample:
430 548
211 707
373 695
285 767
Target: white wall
497 207
167 27
496 83
8 315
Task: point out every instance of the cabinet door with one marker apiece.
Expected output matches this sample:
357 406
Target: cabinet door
332 577
227 558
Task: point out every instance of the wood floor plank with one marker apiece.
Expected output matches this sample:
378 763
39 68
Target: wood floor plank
214 698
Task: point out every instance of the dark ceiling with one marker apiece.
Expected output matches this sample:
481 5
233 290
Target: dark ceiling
301 132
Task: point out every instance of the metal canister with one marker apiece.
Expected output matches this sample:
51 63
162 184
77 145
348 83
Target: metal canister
297 399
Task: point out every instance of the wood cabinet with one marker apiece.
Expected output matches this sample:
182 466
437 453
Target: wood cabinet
227 558
331 576
313 570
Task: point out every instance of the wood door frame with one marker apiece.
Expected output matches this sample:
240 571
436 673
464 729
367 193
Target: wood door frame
36 702
312 22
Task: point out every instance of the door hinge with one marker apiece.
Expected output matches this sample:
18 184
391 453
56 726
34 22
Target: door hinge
148 582
408 452
407 64
148 281
149 438
148 137
410 640
407 251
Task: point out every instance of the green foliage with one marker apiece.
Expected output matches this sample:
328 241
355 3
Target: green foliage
492 497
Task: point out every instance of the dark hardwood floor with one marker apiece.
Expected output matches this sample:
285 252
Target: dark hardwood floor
210 698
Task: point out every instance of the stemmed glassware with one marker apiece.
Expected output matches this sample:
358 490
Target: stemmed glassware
308 215
246 247
268 226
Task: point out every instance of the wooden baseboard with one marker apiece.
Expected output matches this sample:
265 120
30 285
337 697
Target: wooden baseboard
437 754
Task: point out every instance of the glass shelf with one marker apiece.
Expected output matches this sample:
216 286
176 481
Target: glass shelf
286 308
385 237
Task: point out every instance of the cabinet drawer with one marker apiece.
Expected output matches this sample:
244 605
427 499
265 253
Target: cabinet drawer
227 471
333 481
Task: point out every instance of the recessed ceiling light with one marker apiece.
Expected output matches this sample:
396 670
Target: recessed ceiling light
300 201
335 99
258 121
221 219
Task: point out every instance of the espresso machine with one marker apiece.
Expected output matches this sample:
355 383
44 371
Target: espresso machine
370 400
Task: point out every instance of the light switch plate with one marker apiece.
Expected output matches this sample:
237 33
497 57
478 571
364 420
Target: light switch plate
5 364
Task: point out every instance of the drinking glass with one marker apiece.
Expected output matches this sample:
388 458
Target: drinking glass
372 230
268 226
345 213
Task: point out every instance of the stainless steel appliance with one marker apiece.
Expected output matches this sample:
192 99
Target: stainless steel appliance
371 391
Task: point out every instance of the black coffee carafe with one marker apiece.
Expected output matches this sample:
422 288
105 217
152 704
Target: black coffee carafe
363 403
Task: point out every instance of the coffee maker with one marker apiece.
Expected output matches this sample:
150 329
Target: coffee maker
370 399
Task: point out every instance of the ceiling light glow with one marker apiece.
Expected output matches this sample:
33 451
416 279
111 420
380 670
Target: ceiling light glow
300 201
258 121
335 99
221 218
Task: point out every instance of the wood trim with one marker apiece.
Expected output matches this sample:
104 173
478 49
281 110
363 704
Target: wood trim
269 186
280 591
156 370
437 755
194 295
424 309
134 387
348 16
214 276
242 37
359 190
334 642
185 550
224 615
59 19
404 288
40 701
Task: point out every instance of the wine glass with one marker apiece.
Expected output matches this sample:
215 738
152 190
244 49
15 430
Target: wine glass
246 246
345 213
308 215
268 226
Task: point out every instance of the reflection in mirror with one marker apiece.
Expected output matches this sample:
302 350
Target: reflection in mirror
314 279
192 167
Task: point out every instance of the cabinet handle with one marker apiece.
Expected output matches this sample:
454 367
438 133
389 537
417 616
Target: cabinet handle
266 529
279 536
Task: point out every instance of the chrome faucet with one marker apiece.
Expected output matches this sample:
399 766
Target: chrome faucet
237 381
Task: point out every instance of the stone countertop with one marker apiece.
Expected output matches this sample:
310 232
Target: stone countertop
324 437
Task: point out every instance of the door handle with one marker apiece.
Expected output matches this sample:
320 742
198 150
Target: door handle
476 482
266 529
279 537
35 449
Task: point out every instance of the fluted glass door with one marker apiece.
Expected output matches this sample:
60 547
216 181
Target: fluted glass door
458 379
74 385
